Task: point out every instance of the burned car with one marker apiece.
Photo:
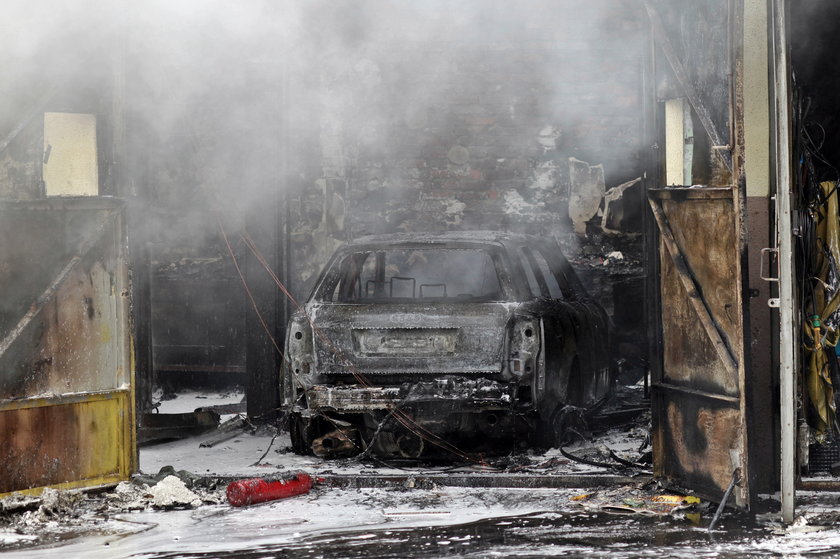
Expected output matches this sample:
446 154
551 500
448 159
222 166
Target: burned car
411 344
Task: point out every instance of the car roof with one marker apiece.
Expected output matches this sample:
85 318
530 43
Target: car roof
481 237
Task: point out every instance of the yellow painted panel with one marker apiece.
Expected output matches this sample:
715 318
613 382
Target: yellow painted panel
70 162
79 444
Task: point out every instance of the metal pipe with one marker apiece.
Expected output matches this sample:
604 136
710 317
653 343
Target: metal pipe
832 485
736 479
787 333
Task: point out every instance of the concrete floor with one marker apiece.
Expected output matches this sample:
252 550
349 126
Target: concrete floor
370 510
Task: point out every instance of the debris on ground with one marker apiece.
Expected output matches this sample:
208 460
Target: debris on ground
188 478
226 431
171 492
54 506
56 514
129 496
18 504
638 500
414 483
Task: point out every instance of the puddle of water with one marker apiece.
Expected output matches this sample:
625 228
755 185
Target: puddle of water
543 535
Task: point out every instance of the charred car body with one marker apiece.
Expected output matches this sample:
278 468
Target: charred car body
411 342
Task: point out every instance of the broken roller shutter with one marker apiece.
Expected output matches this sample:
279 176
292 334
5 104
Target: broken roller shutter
700 435
66 390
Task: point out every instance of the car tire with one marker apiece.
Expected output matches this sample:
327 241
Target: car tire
564 425
570 424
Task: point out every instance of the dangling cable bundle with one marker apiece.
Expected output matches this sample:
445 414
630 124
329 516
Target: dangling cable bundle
818 258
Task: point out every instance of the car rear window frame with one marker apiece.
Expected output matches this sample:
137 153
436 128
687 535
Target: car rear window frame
336 269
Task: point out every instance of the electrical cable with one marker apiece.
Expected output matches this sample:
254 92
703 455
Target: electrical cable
257 463
819 270
247 289
369 446
586 461
628 463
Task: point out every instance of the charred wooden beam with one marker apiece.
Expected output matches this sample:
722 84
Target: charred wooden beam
166 426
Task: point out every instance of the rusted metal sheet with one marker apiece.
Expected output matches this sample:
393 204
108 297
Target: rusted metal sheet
66 390
680 268
74 442
700 434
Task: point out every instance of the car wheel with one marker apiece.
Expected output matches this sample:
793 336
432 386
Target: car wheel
409 445
569 424
564 425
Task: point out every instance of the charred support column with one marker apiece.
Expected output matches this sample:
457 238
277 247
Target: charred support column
756 111
652 129
268 226
262 324
141 304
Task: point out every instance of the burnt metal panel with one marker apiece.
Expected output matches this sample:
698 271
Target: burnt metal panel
763 387
700 435
703 437
418 338
66 385
701 326
695 38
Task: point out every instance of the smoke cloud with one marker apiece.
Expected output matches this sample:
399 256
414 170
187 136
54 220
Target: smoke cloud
366 116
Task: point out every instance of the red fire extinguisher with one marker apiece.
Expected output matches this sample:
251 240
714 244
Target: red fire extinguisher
257 490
